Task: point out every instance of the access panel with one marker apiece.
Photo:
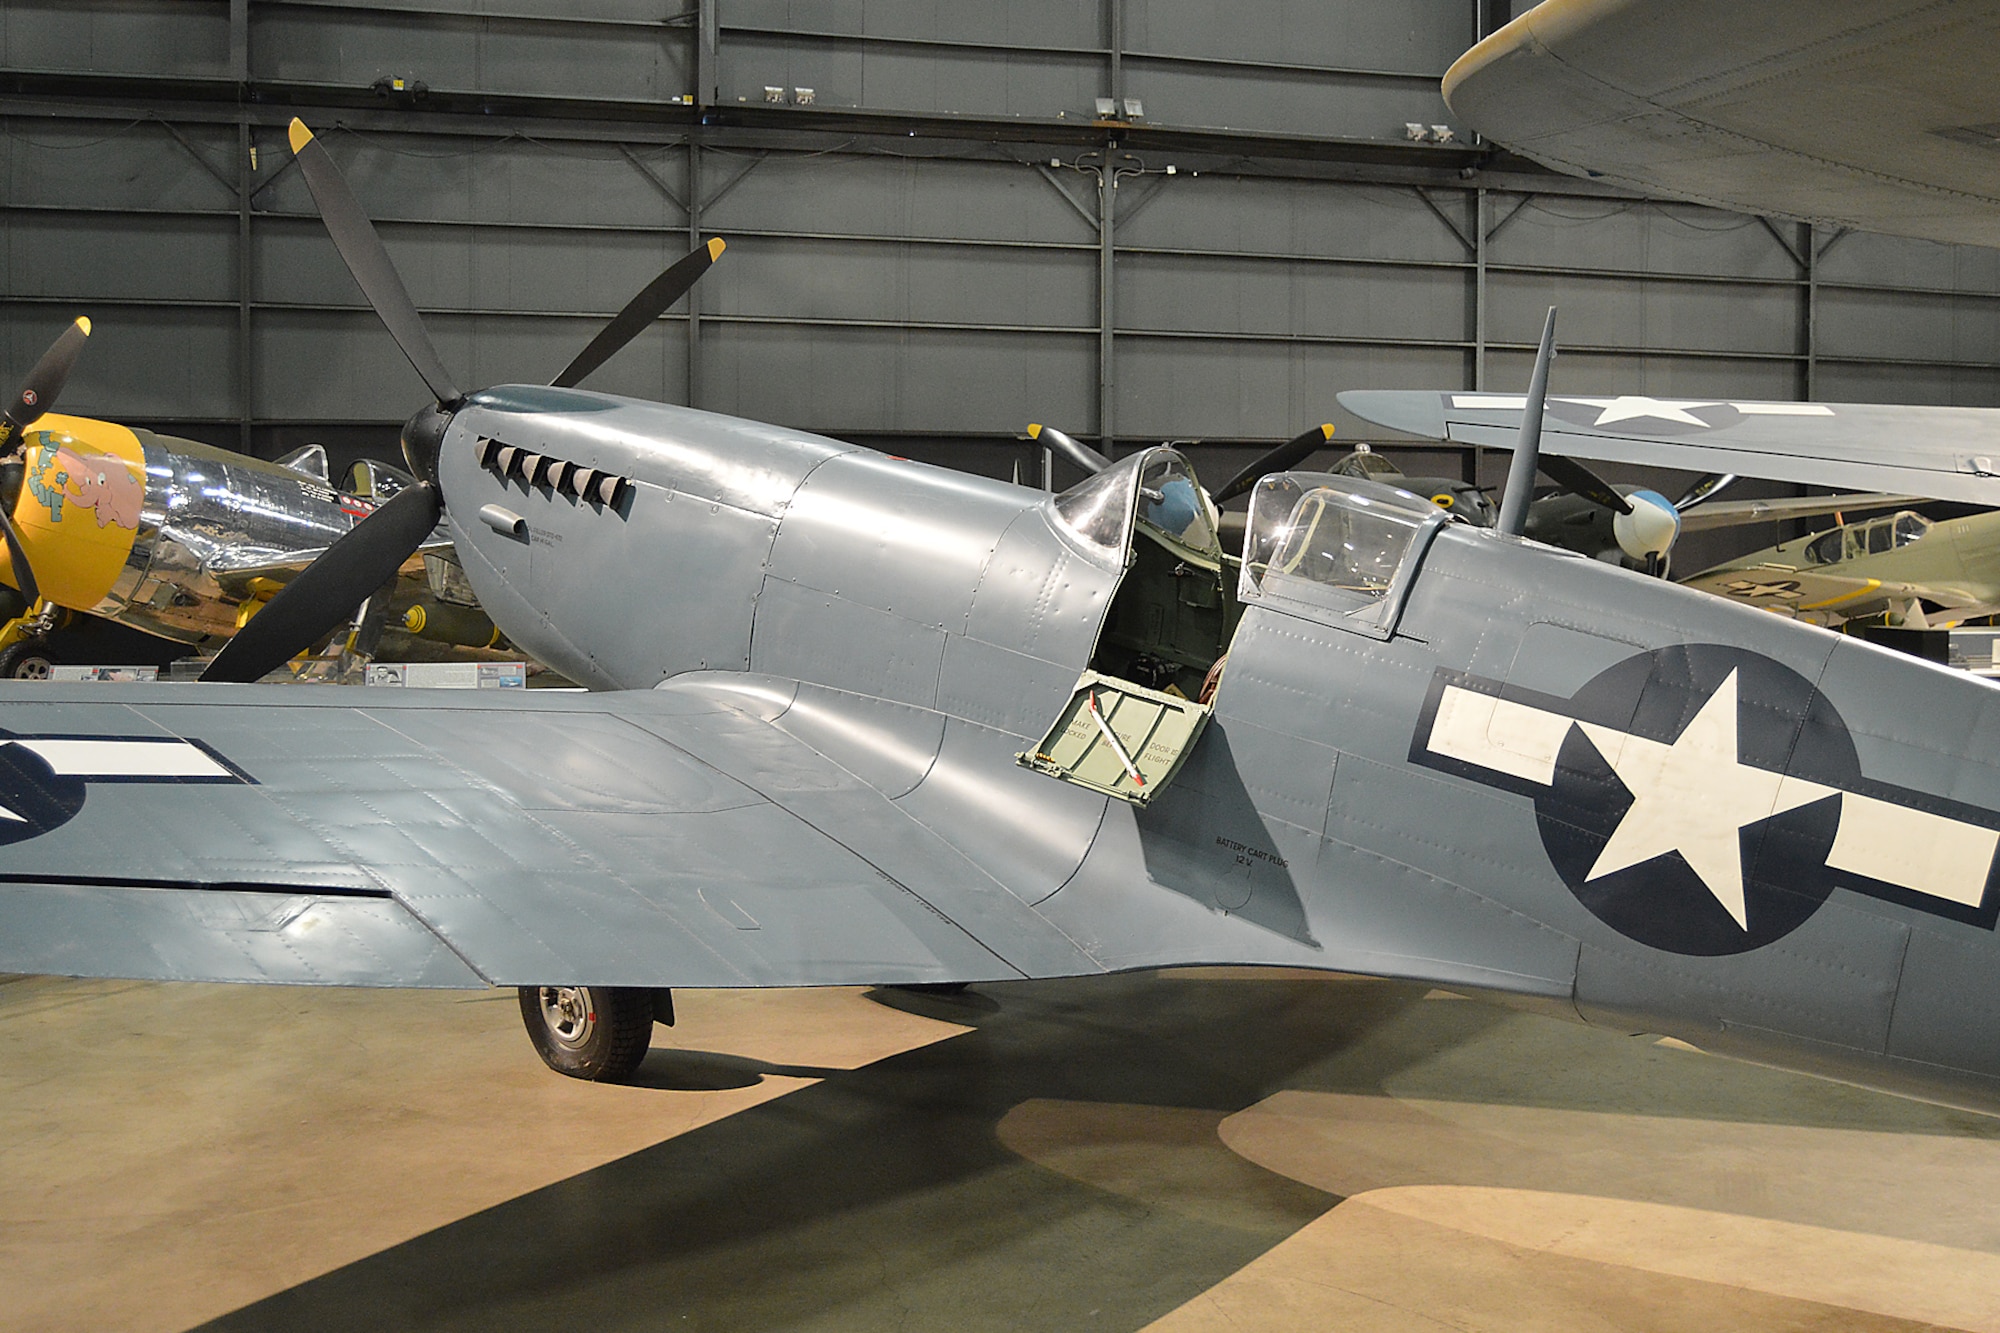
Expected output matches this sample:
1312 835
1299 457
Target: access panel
1119 738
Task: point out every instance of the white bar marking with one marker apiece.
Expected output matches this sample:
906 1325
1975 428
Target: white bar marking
1783 409
127 759
1498 402
1913 849
1494 733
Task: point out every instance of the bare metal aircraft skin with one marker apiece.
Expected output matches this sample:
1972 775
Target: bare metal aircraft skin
1486 764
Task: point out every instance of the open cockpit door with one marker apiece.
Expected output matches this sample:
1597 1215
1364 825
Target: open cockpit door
1119 738
1141 705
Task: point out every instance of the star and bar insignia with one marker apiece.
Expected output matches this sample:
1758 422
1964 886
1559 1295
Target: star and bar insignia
1707 800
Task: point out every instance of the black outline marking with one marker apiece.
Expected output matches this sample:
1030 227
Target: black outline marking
60 880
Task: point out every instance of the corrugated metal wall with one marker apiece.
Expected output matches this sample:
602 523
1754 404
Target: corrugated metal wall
922 255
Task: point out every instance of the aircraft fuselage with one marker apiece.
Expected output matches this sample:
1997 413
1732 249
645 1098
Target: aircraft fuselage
1544 776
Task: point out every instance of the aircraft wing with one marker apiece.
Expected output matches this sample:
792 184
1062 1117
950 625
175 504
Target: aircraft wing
677 836
1871 113
1712 514
1945 453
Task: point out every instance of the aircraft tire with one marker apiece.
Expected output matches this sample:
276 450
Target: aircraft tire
29 659
599 1033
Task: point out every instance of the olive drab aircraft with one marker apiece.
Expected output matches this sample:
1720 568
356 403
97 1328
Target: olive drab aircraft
1903 568
871 722
176 539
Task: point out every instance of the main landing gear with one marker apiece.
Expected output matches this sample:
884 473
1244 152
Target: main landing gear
599 1033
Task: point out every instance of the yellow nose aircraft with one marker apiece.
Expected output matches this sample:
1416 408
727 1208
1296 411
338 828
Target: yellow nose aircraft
179 540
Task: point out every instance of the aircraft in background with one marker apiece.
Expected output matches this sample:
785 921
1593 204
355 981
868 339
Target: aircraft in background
1903 568
1635 526
1730 105
1888 568
863 721
1632 525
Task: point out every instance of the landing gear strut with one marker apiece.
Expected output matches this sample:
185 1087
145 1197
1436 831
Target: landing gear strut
592 1032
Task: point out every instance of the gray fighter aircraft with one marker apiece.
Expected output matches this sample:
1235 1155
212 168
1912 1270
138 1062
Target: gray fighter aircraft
860 720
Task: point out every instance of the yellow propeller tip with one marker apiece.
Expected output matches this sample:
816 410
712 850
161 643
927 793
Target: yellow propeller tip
1326 430
301 136
716 245
1035 431
83 322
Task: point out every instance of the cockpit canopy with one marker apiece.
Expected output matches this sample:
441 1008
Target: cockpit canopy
1155 491
1335 543
1871 538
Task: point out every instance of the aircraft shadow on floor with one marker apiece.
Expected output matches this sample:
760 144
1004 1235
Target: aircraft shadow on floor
890 1196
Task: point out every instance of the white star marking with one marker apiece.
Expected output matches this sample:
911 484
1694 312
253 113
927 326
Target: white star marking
1694 797
1629 407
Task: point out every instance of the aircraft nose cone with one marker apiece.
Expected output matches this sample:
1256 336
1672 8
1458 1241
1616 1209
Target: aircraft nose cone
423 438
1650 529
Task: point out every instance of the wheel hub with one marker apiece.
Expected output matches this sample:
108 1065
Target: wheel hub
569 1013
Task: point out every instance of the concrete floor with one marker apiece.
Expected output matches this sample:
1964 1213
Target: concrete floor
1181 1151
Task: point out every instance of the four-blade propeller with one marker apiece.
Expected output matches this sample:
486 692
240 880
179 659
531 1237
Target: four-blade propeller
325 594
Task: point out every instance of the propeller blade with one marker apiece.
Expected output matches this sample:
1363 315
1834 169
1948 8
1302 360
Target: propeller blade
1520 489
640 311
1080 454
24 573
326 592
44 383
1281 459
1577 479
1704 488
362 250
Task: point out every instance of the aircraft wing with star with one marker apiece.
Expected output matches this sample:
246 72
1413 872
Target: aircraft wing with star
1945 453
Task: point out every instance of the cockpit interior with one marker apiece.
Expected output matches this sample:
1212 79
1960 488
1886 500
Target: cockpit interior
1331 543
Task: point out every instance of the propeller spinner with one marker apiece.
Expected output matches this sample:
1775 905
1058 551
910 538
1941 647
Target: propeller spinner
325 594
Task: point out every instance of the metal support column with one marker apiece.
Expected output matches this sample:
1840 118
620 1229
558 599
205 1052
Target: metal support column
694 294
1809 387
1107 377
239 70
1480 209
707 35
1114 43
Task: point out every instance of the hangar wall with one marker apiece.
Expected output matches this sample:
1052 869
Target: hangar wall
924 253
